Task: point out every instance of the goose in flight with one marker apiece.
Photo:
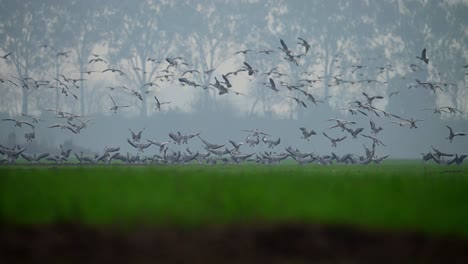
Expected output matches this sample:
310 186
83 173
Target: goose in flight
451 110
411 122
210 71
341 123
423 56
267 52
439 153
375 141
185 138
34 158
64 153
298 101
249 68
284 48
110 149
30 136
242 51
292 58
226 81
210 145
63 53
371 98
236 145
81 126
427 156
273 70
35 120
89 72
333 140
173 62
353 111
151 84
354 132
188 82
161 145
154 60
454 134
271 143
374 128
134 93
97 60
158 103
221 89
256 132
116 107
189 71
176 137
377 160
5 56
136 137
64 126
252 141
306 134
272 85
458 159
18 123
114 70
310 97
305 44
140 146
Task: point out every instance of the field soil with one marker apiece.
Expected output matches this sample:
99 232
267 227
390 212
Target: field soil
257 243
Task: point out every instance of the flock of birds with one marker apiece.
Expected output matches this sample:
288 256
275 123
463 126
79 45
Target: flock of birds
230 152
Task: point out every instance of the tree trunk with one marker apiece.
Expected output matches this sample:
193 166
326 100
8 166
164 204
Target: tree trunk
82 91
24 106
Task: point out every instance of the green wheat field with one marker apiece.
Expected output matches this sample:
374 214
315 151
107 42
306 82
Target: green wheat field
395 195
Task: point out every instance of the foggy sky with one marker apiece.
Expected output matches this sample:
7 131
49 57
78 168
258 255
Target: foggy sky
207 34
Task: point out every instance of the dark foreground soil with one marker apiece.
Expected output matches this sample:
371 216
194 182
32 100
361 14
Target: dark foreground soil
286 243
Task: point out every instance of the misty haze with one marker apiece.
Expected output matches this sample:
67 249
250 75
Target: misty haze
253 131
63 59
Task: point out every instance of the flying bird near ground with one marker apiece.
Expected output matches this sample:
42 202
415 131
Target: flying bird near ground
306 134
158 103
334 140
115 107
452 134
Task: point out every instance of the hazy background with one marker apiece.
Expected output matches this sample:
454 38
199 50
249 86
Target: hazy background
207 34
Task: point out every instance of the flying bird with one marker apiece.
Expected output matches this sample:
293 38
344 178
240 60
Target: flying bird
333 140
242 51
5 56
18 123
423 56
306 134
298 101
136 136
116 107
114 70
249 68
284 48
305 44
267 52
158 103
454 134
272 85
97 60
